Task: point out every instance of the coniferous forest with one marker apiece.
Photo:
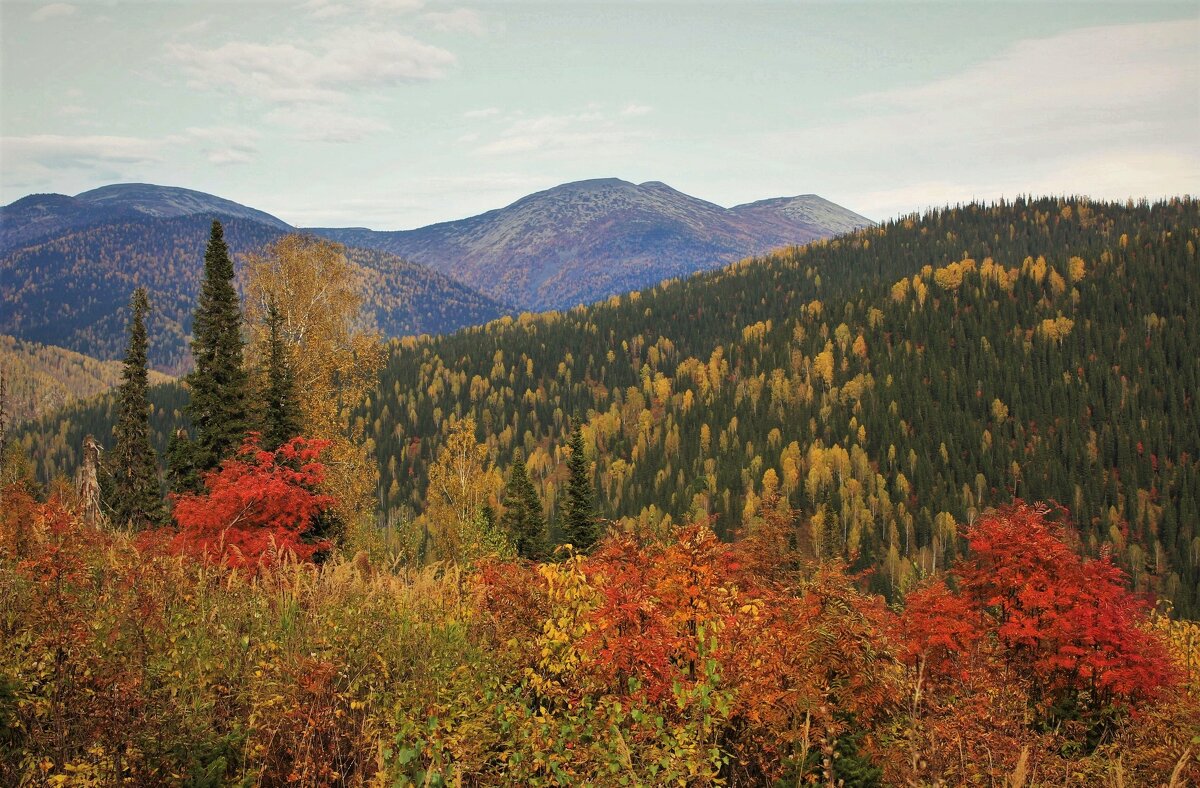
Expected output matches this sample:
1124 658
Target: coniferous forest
916 505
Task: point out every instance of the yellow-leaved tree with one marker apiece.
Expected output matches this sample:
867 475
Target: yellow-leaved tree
462 485
334 353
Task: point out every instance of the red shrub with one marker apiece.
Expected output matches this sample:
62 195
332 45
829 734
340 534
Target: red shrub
259 506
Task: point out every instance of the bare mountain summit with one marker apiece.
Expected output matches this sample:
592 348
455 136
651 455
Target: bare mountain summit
584 241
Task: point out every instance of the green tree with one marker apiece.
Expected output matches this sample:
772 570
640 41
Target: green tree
579 525
522 519
219 385
133 465
281 413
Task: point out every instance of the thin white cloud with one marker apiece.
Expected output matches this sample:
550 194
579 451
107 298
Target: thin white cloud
345 60
460 20
52 150
633 110
221 145
323 9
592 129
1106 111
47 157
392 6
325 124
486 112
51 11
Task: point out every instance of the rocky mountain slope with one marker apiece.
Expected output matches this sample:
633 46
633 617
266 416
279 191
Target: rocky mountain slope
584 241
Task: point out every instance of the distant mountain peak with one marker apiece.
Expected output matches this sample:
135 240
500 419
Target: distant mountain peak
585 240
171 201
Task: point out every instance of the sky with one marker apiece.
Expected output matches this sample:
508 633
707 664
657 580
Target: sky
394 114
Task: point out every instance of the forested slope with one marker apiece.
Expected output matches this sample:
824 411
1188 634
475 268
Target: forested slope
71 290
890 385
42 379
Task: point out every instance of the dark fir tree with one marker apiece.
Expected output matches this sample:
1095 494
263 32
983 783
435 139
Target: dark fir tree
218 386
579 526
281 412
136 498
522 519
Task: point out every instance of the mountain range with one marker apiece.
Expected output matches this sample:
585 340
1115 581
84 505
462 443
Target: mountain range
584 241
68 264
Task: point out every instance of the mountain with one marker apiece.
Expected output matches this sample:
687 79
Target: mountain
890 385
41 216
72 289
170 201
44 378
585 241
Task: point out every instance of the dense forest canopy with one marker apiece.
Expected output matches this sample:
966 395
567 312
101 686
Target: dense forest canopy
889 385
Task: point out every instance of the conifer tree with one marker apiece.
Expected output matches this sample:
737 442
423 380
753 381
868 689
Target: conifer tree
522 518
133 466
281 417
218 385
579 525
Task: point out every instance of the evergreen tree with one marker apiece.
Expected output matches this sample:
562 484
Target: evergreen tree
579 525
281 416
133 466
218 387
522 519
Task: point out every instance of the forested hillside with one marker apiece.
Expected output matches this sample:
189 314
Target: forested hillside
42 378
890 385
72 289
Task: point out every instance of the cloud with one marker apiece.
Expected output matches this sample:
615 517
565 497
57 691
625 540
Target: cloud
460 20
51 11
45 158
323 9
58 150
591 129
38 160
345 60
486 112
1107 111
324 124
632 110
221 145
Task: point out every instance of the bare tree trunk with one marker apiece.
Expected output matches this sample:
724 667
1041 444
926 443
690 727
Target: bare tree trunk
87 483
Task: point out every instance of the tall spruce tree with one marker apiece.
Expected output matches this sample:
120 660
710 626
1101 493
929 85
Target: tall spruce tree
219 385
281 414
522 519
579 515
132 465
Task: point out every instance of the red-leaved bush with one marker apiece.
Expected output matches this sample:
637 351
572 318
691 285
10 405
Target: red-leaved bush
1068 622
259 506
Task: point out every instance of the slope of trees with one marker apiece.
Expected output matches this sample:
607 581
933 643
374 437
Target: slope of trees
43 379
71 290
888 385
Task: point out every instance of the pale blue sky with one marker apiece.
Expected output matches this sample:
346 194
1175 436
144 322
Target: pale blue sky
398 113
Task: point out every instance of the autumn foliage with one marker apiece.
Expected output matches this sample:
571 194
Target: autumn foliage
679 659
259 506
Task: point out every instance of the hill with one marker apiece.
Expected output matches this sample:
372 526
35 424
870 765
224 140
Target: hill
43 216
890 385
582 242
44 378
72 289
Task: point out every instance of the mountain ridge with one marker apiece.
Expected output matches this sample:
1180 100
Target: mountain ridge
586 240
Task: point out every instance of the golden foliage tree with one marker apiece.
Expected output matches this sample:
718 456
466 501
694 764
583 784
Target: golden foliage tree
462 484
334 353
